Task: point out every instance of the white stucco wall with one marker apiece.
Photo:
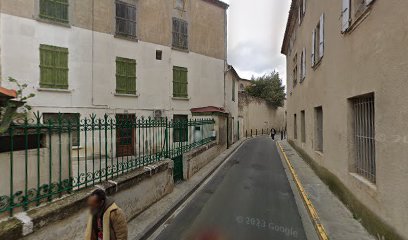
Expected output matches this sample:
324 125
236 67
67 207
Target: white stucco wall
92 70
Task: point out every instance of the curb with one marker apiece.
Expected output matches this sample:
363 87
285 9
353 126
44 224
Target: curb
154 226
321 232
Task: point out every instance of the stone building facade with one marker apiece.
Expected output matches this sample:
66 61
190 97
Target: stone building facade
346 99
123 56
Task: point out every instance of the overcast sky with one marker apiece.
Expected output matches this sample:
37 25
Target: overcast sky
255 34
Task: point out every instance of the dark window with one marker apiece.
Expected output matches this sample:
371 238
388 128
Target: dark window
180 128
303 126
295 126
180 33
319 129
125 19
22 142
71 118
159 54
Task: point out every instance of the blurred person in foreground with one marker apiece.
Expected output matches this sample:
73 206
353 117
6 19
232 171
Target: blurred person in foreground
106 220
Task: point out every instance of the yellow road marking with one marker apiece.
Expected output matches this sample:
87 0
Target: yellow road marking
321 232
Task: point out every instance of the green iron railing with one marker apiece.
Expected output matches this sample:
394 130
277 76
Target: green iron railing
41 161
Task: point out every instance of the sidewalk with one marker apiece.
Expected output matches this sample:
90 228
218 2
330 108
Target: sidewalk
337 220
147 222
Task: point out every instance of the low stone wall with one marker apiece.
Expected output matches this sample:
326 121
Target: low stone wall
196 159
65 219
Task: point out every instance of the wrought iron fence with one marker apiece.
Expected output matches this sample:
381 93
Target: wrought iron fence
49 156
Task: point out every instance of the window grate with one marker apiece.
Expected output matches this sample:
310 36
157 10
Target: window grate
364 131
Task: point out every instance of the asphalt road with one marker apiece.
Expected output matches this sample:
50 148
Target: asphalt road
249 198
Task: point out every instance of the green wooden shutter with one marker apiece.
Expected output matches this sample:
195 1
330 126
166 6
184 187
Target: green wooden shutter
53 67
125 76
180 82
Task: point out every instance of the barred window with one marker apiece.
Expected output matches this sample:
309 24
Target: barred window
125 76
125 19
180 82
54 10
53 67
364 136
180 33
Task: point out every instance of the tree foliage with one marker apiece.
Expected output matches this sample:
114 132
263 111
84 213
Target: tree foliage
270 88
14 108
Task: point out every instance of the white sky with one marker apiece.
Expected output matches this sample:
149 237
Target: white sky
255 35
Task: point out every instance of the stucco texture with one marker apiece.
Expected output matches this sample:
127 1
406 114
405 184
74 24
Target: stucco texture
369 59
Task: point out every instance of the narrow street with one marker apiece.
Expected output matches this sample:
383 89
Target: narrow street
249 198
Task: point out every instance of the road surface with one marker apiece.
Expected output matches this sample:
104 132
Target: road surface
248 199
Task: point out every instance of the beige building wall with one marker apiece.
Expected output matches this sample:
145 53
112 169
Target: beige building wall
370 58
93 48
231 102
257 114
207 20
243 84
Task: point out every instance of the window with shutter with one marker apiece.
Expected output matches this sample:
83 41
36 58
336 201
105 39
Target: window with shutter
303 65
295 70
125 19
180 33
53 67
353 12
125 76
180 82
301 10
321 36
233 90
346 15
54 10
318 42
313 47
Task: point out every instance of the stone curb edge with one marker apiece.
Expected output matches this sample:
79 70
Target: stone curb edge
321 232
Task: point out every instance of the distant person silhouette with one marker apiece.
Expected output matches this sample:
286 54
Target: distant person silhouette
273 133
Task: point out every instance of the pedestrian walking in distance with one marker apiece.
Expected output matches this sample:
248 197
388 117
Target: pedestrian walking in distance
106 220
273 133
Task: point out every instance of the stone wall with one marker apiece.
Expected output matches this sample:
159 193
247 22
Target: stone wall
196 159
66 218
256 113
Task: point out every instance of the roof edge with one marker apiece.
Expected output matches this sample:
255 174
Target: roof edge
289 27
8 93
218 3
